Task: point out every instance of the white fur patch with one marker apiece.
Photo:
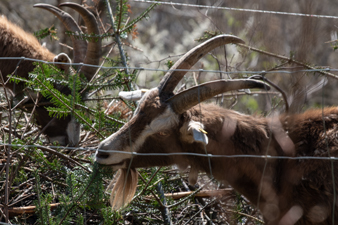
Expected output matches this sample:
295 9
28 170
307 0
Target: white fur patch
133 95
165 121
62 58
73 132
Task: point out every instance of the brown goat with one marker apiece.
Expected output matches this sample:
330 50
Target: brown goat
15 42
286 190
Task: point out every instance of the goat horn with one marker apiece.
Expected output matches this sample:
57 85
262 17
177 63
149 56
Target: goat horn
173 77
79 46
93 53
192 96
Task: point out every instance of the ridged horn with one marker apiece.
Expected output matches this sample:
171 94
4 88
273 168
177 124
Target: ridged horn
173 77
79 46
192 96
93 53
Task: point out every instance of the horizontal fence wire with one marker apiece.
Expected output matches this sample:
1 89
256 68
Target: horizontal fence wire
236 9
179 153
170 70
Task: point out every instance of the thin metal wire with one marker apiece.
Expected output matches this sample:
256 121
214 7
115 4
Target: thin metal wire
184 153
168 154
168 70
209 156
3 223
238 9
51 146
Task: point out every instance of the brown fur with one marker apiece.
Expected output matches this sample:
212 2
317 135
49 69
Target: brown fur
15 42
283 189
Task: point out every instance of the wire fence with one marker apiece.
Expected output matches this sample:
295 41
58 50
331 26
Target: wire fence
282 71
291 71
93 150
267 157
325 72
236 9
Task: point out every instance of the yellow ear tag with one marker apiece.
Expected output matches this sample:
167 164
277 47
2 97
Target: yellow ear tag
203 131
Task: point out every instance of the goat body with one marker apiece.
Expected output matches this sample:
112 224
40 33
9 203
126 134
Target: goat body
283 189
15 42
287 190
286 185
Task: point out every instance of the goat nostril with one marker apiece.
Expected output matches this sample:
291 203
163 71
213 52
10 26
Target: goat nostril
103 155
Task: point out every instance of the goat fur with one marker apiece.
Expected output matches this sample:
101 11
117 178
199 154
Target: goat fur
15 42
288 187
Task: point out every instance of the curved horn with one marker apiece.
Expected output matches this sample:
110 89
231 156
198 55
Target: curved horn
94 45
171 79
192 96
79 46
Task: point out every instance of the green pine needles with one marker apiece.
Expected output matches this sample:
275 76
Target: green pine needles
51 32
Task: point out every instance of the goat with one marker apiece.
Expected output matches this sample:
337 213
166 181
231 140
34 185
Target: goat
286 191
15 42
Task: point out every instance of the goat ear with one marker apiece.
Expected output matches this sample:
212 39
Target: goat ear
132 95
62 58
199 134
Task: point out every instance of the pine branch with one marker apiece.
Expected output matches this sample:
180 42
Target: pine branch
139 18
94 112
69 108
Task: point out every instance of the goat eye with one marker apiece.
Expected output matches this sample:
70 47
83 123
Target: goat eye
163 133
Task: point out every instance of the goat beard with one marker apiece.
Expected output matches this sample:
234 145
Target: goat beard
124 187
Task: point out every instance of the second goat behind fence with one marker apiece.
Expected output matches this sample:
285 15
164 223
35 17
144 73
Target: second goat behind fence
15 42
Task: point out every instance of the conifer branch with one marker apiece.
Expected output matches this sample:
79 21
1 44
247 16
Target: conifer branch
69 108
